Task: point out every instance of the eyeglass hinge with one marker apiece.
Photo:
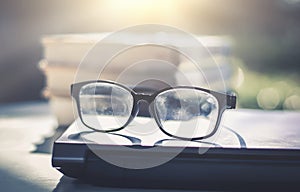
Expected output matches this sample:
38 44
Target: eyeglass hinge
231 101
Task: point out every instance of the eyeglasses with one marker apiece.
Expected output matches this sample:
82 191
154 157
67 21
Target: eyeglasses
183 112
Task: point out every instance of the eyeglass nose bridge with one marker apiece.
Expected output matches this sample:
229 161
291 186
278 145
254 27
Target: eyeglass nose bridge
142 104
143 97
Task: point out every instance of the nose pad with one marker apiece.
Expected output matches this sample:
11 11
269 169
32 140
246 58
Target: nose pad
143 109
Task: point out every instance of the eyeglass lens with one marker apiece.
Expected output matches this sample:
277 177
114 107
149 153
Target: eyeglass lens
186 112
105 106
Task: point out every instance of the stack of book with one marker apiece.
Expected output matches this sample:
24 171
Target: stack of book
70 58
210 65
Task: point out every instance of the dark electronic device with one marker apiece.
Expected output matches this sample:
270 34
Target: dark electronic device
234 168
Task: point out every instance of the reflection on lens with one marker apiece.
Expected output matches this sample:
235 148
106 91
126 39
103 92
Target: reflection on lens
105 106
187 112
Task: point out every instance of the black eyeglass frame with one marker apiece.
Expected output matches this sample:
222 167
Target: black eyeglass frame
225 101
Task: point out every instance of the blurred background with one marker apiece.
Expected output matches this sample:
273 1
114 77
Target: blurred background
265 34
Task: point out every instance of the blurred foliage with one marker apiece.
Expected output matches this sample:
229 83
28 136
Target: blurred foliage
269 54
280 91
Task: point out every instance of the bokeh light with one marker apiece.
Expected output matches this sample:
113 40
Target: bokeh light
268 98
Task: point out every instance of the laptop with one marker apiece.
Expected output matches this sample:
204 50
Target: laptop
239 157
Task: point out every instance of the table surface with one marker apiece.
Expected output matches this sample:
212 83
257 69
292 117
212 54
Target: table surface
27 134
